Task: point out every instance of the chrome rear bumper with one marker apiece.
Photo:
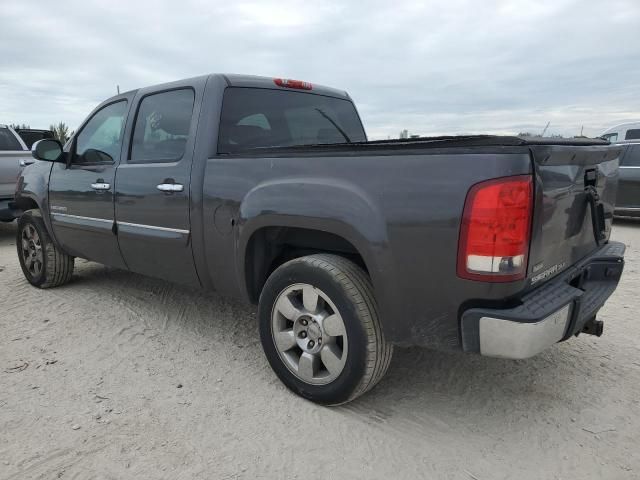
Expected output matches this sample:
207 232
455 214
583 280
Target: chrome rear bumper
563 306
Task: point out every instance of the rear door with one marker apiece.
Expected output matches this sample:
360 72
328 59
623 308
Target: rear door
628 199
152 184
81 193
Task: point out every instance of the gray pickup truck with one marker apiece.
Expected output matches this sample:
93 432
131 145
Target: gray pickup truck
268 190
14 156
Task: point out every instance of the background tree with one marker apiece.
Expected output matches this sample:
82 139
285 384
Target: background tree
15 126
60 132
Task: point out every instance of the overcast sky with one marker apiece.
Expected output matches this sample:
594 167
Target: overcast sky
431 67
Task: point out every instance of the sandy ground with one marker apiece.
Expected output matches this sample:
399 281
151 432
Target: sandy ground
118 376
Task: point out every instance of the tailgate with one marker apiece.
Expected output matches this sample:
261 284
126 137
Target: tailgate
563 225
10 170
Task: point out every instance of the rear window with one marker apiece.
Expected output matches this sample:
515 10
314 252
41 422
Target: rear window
8 141
29 137
254 117
633 134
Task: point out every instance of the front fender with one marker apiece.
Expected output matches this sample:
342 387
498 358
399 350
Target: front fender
32 191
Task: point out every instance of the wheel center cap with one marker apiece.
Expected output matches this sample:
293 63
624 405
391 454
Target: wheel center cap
314 331
308 334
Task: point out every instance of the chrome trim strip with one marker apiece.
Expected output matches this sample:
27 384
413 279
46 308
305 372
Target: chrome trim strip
628 166
79 217
627 209
153 227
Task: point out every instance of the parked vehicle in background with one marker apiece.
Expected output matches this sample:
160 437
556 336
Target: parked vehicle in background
628 197
625 132
14 156
268 190
30 135
627 135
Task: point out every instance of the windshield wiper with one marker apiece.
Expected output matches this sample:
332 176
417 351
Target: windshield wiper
333 122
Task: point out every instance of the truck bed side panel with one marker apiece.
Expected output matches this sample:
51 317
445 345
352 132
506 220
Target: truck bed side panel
405 226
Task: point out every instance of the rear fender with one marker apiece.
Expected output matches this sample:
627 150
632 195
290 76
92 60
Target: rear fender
326 204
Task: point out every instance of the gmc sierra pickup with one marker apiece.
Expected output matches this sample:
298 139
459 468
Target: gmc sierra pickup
268 190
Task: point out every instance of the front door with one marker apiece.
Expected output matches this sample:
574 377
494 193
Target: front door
152 186
81 193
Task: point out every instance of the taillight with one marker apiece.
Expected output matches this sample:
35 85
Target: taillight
494 235
297 84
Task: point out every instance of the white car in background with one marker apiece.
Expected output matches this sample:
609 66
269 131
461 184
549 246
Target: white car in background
14 156
625 132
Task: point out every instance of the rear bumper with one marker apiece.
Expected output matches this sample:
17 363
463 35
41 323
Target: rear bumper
627 211
8 210
555 311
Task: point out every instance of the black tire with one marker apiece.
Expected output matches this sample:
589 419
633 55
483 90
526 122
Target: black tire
56 266
350 289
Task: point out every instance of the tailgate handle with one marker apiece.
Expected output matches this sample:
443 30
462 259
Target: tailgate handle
597 209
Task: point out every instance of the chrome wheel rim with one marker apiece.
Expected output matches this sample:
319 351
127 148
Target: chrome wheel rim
309 334
31 247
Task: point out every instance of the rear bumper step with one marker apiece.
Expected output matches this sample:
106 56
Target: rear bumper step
8 210
564 306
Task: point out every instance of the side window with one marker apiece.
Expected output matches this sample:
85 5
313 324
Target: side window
8 141
633 134
162 127
612 137
101 138
631 157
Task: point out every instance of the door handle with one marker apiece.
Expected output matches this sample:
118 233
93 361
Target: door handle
24 163
100 186
170 187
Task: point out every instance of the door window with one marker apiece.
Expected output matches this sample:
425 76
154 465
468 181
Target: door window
162 127
631 157
101 138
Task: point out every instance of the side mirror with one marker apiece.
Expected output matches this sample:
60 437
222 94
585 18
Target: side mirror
48 149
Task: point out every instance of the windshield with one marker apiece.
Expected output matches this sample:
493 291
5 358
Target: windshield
255 117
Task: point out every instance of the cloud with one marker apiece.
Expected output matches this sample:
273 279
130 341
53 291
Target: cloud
431 67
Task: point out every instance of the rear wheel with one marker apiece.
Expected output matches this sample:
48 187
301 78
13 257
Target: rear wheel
320 329
43 264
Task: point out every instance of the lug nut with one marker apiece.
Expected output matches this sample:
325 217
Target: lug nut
311 344
303 334
319 340
304 322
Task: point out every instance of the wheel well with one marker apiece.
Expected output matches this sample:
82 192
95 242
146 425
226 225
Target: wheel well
270 247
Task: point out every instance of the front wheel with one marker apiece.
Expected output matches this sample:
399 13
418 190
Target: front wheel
43 264
320 329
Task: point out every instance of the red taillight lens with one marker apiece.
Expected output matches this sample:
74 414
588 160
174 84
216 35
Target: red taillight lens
494 235
297 84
